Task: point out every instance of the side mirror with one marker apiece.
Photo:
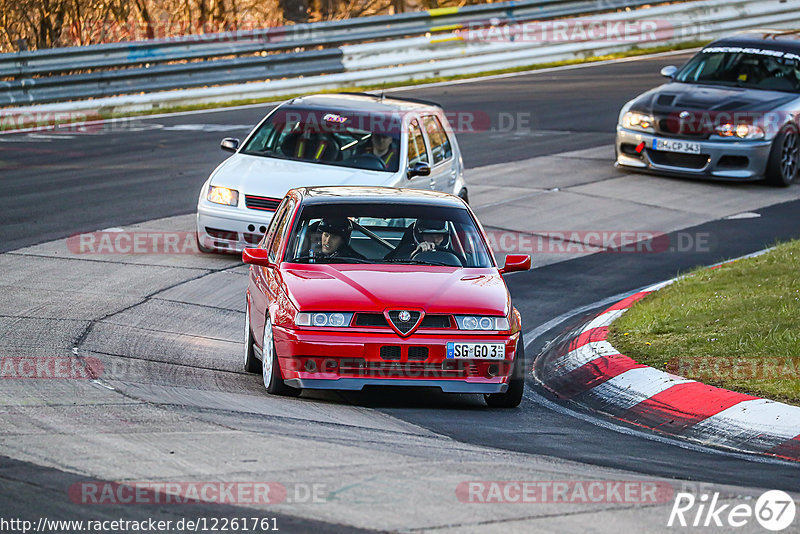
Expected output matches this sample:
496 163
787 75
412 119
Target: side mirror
229 144
669 71
256 256
419 169
516 262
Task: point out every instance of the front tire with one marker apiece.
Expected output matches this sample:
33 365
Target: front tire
513 395
251 363
463 195
784 157
271 367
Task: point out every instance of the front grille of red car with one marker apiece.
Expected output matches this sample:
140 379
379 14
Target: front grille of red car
261 203
395 353
377 319
404 326
417 353
390 352
370 319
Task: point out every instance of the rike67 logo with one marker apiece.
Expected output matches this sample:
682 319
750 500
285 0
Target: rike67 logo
774 510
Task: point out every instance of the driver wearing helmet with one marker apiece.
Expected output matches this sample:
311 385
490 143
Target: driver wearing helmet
428 235
335 239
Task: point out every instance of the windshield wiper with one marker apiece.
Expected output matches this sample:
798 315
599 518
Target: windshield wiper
418 262
327 259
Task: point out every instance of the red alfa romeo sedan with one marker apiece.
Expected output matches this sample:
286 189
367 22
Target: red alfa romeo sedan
379 286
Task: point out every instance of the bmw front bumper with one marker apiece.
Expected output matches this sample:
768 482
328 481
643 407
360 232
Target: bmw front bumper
721 160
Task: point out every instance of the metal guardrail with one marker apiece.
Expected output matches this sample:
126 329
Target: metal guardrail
42 76
446 48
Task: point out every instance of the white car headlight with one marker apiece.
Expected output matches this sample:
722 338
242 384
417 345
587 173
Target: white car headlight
634 120
476 322
222 195
322 319
740 131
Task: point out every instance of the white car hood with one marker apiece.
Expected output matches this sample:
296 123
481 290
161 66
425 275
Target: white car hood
273 177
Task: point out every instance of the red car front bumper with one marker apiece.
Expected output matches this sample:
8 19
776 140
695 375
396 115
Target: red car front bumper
351 359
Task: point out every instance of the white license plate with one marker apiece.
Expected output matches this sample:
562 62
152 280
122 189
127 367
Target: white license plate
669 145
477 351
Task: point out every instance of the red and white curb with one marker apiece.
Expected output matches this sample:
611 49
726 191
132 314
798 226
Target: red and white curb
592 373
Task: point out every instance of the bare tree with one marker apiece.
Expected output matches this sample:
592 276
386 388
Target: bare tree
50 23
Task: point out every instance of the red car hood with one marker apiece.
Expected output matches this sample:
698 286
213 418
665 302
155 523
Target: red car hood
375 288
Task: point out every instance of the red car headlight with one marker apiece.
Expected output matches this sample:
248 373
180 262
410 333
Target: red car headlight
476 322
323 319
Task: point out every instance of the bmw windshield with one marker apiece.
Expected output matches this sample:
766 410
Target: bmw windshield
352 139
753 68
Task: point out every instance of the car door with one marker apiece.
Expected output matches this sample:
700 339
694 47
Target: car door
443 165
417 153
265 281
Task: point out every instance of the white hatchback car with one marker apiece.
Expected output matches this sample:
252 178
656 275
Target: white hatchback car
338 139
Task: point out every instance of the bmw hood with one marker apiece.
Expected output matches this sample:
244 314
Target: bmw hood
679 97
273 177
694 109
375 288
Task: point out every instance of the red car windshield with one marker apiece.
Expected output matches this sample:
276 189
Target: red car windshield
385 234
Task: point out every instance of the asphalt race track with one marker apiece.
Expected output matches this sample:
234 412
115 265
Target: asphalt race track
168 402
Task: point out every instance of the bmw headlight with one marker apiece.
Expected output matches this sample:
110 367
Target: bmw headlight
222 195
477 322
323 319
740 131
634 120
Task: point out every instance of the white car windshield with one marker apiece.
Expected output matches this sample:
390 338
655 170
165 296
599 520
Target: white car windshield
744 67
352 139
387 233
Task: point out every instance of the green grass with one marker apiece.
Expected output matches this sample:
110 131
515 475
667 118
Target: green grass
635 51
736 327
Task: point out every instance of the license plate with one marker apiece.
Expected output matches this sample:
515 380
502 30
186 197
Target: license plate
669 145
477 351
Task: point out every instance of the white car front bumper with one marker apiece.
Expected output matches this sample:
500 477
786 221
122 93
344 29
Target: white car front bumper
228 228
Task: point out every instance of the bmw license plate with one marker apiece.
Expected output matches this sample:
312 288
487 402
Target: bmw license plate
671 145
477 351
